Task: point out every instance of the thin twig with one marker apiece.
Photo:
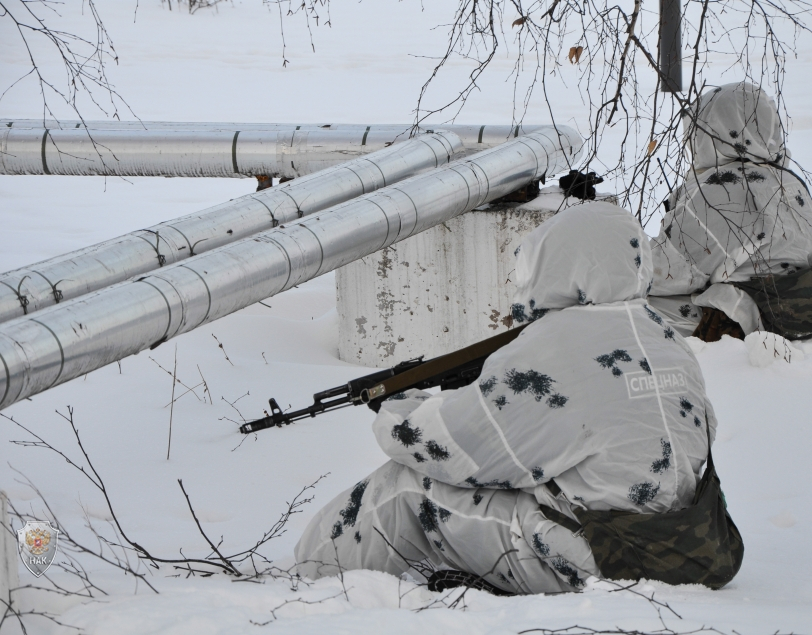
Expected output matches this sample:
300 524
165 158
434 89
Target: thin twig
226 563
206 390
220 345
172 403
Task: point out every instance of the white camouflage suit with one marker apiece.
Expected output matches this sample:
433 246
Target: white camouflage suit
737 215
598 393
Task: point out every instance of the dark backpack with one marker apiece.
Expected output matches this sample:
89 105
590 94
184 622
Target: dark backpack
785 302
696 545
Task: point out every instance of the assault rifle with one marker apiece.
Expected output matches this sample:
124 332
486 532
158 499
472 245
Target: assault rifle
453 370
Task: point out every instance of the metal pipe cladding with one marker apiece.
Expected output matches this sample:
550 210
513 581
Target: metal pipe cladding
29 289
66 341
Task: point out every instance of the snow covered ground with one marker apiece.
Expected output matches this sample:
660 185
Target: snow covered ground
224 67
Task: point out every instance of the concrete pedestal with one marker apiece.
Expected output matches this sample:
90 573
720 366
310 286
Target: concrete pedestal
440 290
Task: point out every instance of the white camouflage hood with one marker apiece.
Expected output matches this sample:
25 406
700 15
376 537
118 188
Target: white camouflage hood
613 263
733 122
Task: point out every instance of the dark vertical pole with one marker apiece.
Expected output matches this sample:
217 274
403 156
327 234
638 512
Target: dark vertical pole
671 46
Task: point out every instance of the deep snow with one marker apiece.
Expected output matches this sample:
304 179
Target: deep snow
225 67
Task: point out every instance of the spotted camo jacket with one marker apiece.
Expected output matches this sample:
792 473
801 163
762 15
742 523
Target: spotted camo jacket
739 212
607 400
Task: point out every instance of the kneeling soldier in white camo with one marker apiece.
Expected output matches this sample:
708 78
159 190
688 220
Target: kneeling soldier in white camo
598 393
739 224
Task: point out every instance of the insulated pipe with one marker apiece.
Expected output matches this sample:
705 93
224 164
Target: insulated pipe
81 335
212 150
35 287
173 126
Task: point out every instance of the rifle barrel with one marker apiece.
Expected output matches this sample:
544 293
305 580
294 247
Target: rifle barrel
277 418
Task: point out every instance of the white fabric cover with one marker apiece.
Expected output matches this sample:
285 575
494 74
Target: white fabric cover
734 302
598 393
679 310
738 214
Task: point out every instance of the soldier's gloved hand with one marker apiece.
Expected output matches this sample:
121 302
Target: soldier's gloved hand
579 184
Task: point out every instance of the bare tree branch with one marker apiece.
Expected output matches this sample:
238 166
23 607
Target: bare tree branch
616 54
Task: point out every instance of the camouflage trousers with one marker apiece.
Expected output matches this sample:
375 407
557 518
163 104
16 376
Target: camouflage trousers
399 521
785 302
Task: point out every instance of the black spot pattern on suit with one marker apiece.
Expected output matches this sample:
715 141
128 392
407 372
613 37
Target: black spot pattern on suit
568 571
725 176
753 177
557 401
406 434
487 385
519 312
642 493
350 512
654 317
662 464
493 484
610 360
542 548
427 515
685 407
437 451
537 384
